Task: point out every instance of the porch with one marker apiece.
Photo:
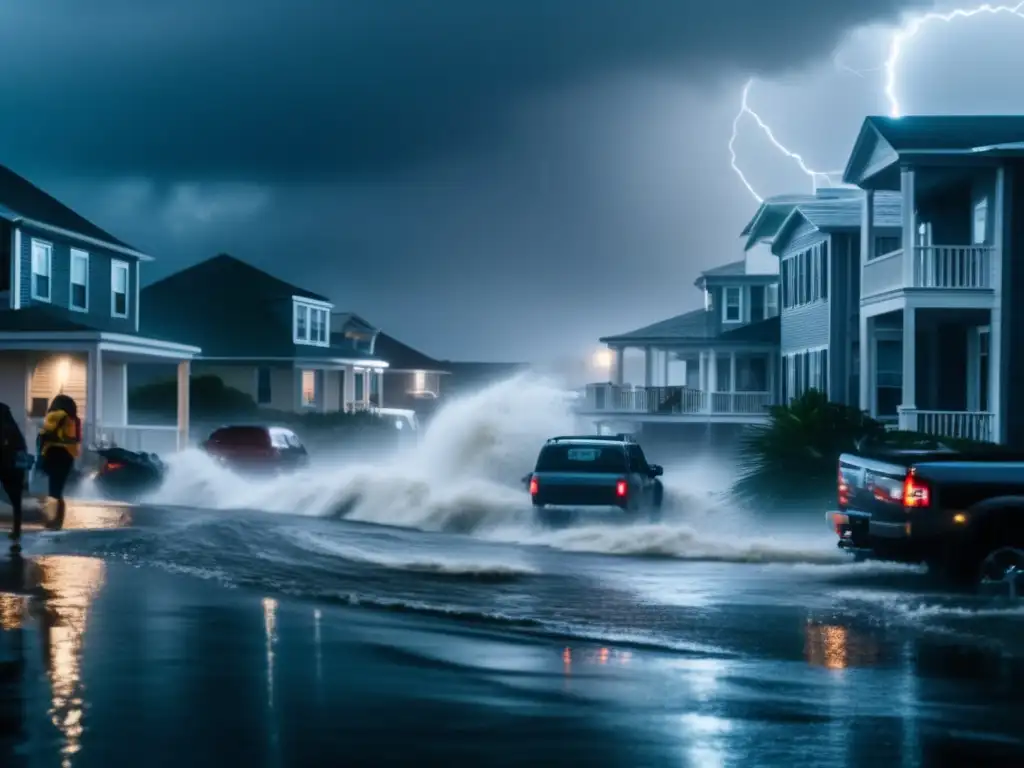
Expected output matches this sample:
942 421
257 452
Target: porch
950 251
933 371
92 368
674 403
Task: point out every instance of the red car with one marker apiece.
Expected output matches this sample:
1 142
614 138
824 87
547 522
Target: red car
257 448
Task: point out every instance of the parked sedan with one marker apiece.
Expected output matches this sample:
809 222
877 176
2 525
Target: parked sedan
256 448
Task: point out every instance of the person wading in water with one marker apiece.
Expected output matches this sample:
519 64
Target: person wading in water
60 442
14 462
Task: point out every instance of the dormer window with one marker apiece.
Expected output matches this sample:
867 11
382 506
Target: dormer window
312 323
732 307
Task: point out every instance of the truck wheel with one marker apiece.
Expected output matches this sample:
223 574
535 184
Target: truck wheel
1001 566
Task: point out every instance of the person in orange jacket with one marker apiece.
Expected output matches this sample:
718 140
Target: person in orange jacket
60 442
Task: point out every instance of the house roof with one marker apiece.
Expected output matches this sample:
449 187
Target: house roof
762 331
773 212
840 214
41 318
700 325
341 320
23 199
402 357
697 324
727 270
884 140
232 309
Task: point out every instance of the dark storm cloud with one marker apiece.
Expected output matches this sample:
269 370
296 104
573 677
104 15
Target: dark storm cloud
294 89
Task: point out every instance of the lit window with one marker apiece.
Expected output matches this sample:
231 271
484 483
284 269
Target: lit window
42 262
119 288
419 381
731 308
79 280
309 388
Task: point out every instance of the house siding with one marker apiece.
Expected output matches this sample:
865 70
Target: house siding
14 373
1012 338
100 292
806 326
844 314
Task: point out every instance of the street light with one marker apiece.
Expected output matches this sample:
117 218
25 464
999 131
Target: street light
603 359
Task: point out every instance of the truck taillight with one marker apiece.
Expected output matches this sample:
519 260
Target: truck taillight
534 487
844 489
621 489
915 493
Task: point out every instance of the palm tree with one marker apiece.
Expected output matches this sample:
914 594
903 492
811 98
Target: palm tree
793 458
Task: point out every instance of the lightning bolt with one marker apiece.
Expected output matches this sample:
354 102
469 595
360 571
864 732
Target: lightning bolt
900 38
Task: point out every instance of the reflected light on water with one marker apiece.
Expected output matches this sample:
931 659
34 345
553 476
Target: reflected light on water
270 633
12 611
97 516
71 583
834 646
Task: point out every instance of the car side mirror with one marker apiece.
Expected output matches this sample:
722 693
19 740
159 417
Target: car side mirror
657 470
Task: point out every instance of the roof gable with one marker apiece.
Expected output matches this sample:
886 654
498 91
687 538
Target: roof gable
23 199
402 357
838 215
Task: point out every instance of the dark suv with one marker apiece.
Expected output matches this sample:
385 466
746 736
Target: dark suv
256 448
595 471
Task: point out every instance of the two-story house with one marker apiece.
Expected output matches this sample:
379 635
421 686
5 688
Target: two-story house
70 319
718 363
266 337
818 247
950 296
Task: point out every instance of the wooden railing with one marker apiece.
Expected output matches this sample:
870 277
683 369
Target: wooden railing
941 267
608 398
969 425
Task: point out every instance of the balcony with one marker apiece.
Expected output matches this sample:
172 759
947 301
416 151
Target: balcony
935 267
673 401
964 425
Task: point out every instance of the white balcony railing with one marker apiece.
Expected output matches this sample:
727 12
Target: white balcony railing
608 398
967 425
941 267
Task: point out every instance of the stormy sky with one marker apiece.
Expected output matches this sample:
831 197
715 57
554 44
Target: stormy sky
485 180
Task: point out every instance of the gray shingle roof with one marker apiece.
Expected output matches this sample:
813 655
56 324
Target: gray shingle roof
21 197
402 357
952 132
726 270
697 324
845 213
767 331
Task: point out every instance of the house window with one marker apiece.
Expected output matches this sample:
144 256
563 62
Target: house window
119 288
308 388
771 306
823 269
419 381
757 307
732 309
312 325
980 227
79 299
264 393
360 386
42 264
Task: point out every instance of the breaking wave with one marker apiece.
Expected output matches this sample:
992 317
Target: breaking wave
464 476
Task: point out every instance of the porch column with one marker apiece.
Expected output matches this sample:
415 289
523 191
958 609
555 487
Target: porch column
618 373
867 329
93 395
184 379
909 362
321 391
664 379
995 333
867 232
701 372
732 372
909 224
773 388
648 366
712 371
379 376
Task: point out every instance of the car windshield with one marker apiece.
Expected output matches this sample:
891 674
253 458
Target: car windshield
581 458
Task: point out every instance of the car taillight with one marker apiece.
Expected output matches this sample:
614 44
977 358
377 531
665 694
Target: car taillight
111 466
844 489
621 488
534 487
915 493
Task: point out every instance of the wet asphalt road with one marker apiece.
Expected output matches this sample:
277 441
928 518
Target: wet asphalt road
166 638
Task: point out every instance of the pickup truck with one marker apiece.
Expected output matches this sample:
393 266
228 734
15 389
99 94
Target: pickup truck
961 514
